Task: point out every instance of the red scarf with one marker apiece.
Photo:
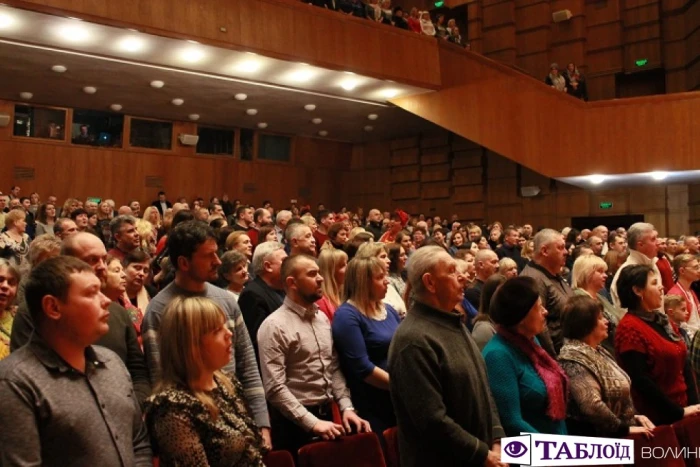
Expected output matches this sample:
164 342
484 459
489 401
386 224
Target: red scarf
554 378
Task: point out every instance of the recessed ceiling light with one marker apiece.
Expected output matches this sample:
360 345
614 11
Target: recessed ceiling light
349 84
6 21
301 76
658 176
348 72
116 107
310 107
177 101
596 179
89 89
192 54
251 111
248 66
373 116
192 42
131 44
316 121
73 33
369 128
390 92
262 125
323 133
26 95
59 68
193 117
240 96
157 84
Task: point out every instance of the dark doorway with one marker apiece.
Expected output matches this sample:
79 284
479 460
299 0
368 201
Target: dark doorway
640 83
611 222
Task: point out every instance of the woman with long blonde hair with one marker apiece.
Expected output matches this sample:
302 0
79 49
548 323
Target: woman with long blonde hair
379 250
197 415
332 265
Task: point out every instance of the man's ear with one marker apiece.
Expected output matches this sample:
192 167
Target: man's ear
183 264
51 307
429 282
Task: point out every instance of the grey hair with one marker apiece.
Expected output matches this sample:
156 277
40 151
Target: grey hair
282 215
423 260
482 255
262 252
636 232
544 237
115 224
294 231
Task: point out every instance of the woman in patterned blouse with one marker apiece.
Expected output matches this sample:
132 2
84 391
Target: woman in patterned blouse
197 415
9 278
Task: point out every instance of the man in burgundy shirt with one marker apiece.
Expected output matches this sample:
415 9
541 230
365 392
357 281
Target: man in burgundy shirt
126 238
325 220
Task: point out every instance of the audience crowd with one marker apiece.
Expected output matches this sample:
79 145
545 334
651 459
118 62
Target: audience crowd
209 333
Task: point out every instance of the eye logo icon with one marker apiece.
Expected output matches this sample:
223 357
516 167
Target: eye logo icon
515 449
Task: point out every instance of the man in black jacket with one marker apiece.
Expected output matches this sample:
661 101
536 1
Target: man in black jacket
265 293
510 247
374 224
162 203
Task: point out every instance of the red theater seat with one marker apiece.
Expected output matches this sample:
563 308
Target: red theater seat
278 459
664 437
391 436
361 450
688 434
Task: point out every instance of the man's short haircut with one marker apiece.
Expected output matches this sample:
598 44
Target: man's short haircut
636 232
240 210
322 215
290 263
51 277
423 260
545 237
115 225
295 231
78 212
262 253
258 214
682 261
184 239
283 214
183 215
70 245
213 206
161 193
672 301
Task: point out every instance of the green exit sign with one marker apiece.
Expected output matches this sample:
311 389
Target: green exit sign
606 205
439 4
641 62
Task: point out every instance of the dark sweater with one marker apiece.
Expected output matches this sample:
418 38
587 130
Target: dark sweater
444 409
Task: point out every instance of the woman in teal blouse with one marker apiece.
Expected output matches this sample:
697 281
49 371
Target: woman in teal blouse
528 386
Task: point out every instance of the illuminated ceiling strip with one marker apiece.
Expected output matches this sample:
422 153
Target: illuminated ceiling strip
192 73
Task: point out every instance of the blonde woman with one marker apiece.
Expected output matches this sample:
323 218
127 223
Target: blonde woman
149 236
588 278
69 206
197 415
508 267
14 242
332 265
363 327
240 241
378 250
9 280
152 215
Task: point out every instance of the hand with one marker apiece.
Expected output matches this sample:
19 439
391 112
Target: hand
350 420
644 421
643 430
494 460
691 410
328 430
267 438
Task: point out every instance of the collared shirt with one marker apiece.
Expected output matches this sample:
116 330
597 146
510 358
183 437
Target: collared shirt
54 415
299 364
634 258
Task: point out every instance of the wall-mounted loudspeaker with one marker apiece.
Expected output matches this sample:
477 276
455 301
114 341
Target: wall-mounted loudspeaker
188 140
529 191
4 120
561 15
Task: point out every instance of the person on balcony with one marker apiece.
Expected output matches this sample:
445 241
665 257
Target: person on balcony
554 79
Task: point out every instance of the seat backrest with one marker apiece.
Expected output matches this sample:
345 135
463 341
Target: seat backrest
391 436
361 450
665 438
688 434
278 459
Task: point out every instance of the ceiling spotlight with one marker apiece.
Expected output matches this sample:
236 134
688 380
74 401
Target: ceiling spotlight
349 84
310 107
596 179
251 111
373 116
193 117
131 44
390 93
658 176
59 68
177 101
116 107
157 84
192 42
262 125
369 128
26 95
6 21
323 133
73 33
240 96
316 121
89 89
192 55
248 66
301 76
